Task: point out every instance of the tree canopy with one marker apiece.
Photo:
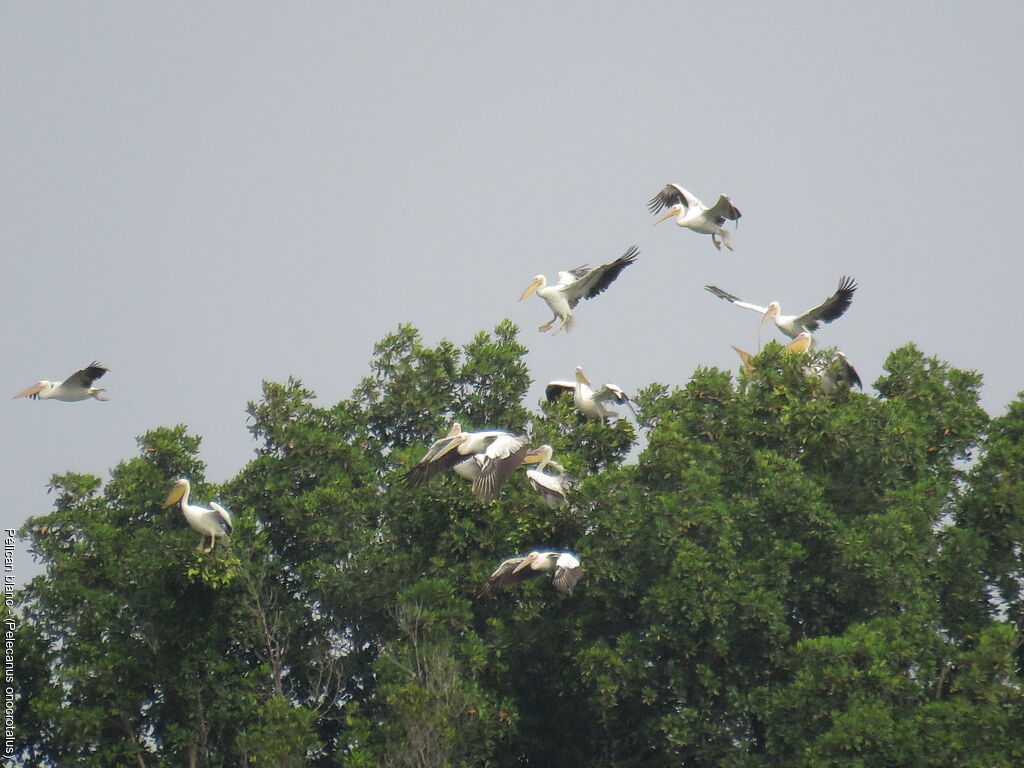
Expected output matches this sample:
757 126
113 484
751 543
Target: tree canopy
775 576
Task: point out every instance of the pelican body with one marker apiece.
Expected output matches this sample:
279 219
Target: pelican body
589 402
563 568
691 213
77 386
501 454
210 522
830 309
576 284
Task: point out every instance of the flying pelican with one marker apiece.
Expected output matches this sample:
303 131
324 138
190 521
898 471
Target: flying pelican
209 522
563 567
588 402
550 487
77 386
831 308
576 284
502 454
693 214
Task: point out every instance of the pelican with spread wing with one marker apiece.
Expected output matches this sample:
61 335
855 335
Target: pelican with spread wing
576 284
562 567
591 403
691 213
212 521
77 386
495 454
830 309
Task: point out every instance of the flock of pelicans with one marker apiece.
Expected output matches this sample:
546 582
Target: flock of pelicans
488 458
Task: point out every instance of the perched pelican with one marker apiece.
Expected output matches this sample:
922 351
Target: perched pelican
209 522
791 325
551 488
588 402
77 386
833 372
576 284
693 214
563 567
502 454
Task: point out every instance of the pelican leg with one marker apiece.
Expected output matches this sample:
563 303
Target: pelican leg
726 241
547 325
199 546
714 240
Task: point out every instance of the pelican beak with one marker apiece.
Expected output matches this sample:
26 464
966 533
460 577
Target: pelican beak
533 287
529 559
770 312
447 449
35 389
175 495
745 357
799 345
534 456
667 215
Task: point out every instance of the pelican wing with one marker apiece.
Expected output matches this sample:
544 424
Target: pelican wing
502 457
441 456
568 572
848 371
609 393
86 376
569 276
671 195
555 389
831 308
597 280
504 575
222 517
716 291
722 210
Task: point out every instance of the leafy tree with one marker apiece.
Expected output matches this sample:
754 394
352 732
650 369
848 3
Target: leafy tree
781 577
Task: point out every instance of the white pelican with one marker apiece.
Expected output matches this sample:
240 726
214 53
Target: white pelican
209 522
691 213
563 567
831 308
588 402
551 488
576 284
502 454
77 386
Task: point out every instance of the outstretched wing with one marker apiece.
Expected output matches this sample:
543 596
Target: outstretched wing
568 572
716 291
555 389
723 210
671 195
503 576
597 280
502 457
831 308
86 376
436 460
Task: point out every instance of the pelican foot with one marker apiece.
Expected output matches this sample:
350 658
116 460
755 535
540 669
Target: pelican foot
718 245
546 325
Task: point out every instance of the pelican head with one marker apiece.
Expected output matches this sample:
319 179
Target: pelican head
581 376
539 455
538 282
772 311
35 389
675 210
529 560
181 487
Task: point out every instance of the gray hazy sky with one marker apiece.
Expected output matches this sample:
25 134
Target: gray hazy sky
203 196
